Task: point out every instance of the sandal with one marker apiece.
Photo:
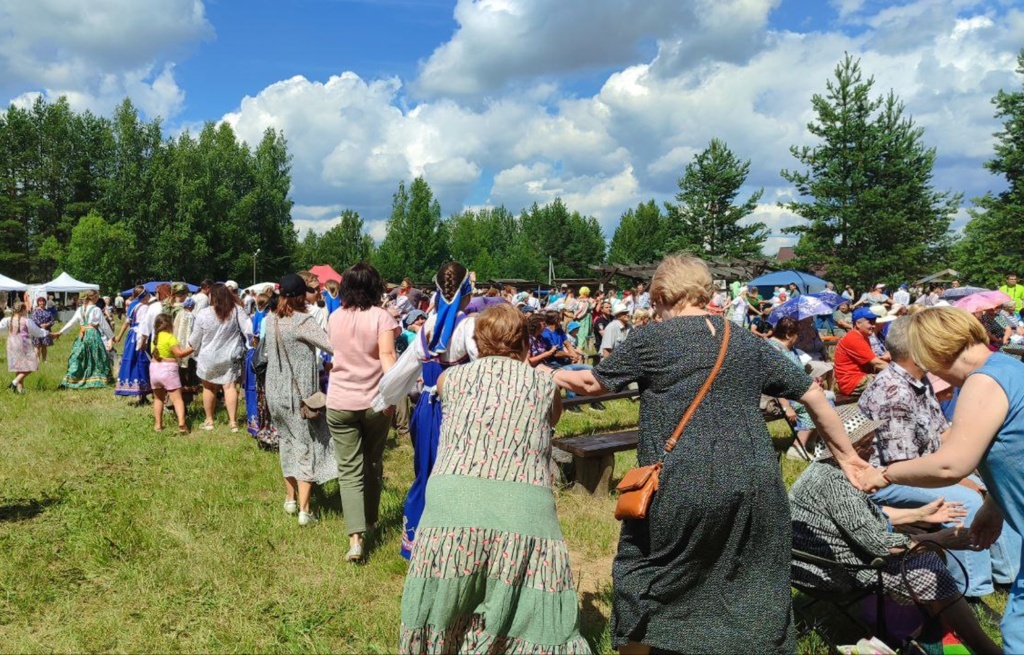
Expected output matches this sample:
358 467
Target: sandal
208 426
183 429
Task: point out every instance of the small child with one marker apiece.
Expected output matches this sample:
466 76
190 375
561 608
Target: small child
164 372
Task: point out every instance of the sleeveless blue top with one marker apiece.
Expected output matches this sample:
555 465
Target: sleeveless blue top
1001 468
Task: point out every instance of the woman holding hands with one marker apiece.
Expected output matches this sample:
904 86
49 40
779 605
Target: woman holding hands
987 435
709 566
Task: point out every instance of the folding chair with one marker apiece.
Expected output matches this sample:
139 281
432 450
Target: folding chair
841 591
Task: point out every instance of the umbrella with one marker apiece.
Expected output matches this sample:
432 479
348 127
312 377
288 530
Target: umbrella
960 292
324 272
799 308
981 301
151 287
480 303
830 298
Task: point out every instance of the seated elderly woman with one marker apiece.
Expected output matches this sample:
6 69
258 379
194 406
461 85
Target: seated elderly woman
832 519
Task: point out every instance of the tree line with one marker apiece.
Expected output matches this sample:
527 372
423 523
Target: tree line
114 201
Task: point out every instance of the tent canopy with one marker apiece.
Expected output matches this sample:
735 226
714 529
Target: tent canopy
10 284
806 282
324 272
64 283
151 287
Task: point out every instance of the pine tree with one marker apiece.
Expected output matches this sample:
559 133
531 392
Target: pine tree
993 242
707 221
640 236
867 188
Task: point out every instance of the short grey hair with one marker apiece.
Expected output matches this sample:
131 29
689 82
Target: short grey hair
897 340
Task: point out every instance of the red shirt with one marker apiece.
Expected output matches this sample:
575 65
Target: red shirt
853 361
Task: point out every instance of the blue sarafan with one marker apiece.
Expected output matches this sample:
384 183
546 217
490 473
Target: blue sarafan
800 307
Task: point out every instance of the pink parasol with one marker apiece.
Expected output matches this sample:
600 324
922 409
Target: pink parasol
981 301
325 272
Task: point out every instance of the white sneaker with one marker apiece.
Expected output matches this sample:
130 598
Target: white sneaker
291 507
306 519
355 553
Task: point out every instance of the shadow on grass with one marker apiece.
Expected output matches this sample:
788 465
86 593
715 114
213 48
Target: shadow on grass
25 509
594 618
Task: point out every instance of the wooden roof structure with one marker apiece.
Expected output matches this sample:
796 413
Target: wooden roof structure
947 275
722 268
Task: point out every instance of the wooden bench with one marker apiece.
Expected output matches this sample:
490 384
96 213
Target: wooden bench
589 400
593 456
593 459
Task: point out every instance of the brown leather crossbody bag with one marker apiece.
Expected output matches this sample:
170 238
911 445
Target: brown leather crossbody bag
636 491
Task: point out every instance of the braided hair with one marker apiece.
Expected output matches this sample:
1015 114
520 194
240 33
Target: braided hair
450 277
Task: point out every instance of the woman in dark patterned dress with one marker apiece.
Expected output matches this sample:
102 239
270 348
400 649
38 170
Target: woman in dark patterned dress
42 317
708 570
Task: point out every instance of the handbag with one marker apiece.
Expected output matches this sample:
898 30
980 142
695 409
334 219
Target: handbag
240 346
258 363
313 406
636 490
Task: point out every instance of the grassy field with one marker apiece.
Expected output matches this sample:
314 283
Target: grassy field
119 539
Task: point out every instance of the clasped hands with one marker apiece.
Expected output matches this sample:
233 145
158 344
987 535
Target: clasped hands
983 531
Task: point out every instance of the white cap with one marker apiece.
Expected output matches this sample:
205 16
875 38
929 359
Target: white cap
619 308
231 284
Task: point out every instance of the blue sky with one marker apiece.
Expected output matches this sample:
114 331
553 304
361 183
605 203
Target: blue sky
600 102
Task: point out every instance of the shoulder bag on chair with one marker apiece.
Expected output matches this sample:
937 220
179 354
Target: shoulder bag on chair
636 491
313 406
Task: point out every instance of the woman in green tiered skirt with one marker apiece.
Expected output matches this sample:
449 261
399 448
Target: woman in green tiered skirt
490 570
89 365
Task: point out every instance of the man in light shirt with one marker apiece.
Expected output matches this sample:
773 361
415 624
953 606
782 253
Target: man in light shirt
202 299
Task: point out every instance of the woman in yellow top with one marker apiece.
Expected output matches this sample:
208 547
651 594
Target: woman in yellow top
164 372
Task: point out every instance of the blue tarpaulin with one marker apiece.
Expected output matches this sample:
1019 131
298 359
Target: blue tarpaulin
806 282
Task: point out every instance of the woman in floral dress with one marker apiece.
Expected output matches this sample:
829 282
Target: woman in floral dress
21 357
490 570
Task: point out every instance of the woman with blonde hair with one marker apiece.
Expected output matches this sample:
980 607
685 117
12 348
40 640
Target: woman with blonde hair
987 435
21 355
710 563
582 312
89 365
492 575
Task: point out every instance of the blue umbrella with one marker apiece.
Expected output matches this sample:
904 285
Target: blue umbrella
799 308
960 292
151 287
830 298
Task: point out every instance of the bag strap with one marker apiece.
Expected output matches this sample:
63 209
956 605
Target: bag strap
671 443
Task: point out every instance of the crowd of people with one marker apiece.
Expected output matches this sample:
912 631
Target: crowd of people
928 431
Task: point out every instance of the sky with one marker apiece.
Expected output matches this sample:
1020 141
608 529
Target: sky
599 102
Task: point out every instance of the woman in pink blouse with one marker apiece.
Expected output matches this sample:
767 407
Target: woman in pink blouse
363 335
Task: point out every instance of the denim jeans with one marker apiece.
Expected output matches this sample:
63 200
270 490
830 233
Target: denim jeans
997 564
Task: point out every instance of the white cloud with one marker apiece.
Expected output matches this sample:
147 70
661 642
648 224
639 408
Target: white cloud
353 139
500 41
98 52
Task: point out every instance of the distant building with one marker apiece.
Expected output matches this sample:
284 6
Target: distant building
785 254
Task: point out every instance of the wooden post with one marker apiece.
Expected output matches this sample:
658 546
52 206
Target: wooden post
594 474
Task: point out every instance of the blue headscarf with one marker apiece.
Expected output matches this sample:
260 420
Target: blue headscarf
447 315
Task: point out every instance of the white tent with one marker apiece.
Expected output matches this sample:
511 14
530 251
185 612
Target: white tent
9 284
64 283
260 286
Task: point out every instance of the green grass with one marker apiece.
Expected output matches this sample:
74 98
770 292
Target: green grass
119 539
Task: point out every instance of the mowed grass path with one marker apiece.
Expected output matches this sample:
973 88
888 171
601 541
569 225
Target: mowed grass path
119 539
